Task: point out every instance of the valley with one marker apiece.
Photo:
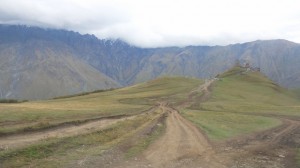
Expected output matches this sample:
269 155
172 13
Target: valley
240 119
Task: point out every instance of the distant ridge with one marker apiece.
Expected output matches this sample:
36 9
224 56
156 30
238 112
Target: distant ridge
37 63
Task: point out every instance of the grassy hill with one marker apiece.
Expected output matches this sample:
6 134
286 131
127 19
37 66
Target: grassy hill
242 91
241 102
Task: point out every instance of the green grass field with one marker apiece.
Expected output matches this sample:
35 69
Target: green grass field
223 125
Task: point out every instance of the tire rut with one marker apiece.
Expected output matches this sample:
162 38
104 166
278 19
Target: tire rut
292 126
17 141
182 145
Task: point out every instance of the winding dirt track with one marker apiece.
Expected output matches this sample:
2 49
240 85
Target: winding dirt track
204 89
181 146
181 140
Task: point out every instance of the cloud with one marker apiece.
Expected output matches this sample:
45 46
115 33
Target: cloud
162 22
61 14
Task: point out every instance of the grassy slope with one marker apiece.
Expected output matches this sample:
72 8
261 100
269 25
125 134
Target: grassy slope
236 95
130 100
251 92
222 125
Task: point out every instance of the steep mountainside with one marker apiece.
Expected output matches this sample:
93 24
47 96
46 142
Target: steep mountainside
66 62
39 69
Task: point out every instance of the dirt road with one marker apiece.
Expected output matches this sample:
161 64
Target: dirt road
182 146
204 87
22 140
285 132
181 140
194 94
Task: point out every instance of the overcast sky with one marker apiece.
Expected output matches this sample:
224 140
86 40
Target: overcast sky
154 23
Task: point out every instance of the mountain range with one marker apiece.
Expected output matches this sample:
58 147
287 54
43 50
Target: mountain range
38 63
